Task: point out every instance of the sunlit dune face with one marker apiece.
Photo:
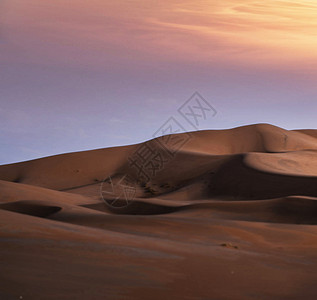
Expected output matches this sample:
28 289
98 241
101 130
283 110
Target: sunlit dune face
98 31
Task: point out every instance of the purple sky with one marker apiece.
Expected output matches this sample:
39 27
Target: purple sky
77 75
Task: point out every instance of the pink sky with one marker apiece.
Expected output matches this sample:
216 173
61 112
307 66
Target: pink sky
84 74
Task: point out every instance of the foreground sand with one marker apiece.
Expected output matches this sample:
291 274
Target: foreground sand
231 214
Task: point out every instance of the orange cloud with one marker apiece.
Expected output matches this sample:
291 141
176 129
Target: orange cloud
270 33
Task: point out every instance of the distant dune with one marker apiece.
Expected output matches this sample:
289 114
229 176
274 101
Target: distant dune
213 214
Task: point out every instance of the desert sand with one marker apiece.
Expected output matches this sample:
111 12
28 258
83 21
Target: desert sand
218 214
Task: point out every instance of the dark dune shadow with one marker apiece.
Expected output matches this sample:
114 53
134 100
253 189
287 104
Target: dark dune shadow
31 207
288 210
134 208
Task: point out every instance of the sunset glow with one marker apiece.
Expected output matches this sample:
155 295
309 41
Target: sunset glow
253 32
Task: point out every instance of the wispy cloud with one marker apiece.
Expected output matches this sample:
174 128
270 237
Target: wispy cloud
114 120
118 32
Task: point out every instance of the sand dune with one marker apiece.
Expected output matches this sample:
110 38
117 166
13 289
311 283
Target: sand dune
227 214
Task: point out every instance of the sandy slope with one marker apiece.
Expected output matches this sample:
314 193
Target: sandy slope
231 214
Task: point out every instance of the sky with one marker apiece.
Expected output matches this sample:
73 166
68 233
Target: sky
78 75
